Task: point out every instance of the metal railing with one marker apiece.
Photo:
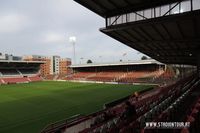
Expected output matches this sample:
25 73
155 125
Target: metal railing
160 11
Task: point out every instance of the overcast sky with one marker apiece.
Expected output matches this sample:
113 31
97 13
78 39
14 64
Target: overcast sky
43 27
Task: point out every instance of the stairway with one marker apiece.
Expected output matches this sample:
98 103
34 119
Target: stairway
19 72
55 77
121 77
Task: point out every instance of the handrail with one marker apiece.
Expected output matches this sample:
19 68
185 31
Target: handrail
56 125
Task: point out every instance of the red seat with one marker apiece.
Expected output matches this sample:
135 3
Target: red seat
35 78
15 80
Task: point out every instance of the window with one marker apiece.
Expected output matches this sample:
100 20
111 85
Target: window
139 15
158 11
119 20
132 17
112 20
196 4
185 6
147 13
175 10
124 18
164 9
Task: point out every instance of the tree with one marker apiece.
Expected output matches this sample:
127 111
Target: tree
89 61
144 58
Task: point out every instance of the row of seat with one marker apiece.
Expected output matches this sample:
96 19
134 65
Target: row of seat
17 72
156 105
6 72
174 109
142 106
13 80
193 118
117 76
35 78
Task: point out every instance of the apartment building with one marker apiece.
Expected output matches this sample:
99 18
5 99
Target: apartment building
54 65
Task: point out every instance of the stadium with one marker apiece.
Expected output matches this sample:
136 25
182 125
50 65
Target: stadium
147 96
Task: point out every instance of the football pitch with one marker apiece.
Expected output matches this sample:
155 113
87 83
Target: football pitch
28 108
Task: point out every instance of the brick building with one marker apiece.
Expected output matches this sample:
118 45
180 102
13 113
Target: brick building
54 65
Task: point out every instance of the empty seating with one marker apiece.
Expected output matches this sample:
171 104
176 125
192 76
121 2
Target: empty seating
160 104
106 76
19 79
15 80
35 78
131 77
117 76
28 71
193 117
80 76
9 72
19 72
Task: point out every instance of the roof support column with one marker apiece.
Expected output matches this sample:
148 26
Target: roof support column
106 19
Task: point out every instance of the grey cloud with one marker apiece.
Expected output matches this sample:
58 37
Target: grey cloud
49 24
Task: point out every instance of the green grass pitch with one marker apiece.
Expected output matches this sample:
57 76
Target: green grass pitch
28 108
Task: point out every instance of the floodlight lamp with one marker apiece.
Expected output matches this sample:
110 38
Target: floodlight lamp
72 39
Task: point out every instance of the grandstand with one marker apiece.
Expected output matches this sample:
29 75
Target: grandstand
144 71
19 71
166 30
122 72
